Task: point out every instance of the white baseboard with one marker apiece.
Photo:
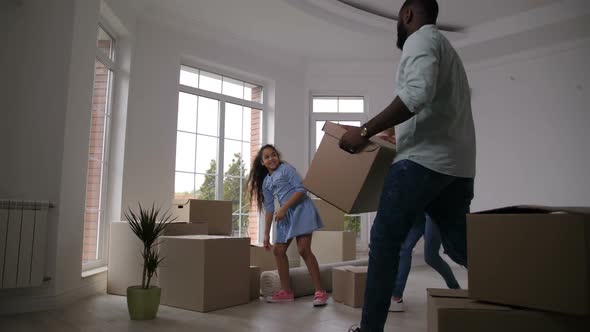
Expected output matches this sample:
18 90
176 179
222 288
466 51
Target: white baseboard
21 303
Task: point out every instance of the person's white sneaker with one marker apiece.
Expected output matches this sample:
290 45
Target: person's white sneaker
397 306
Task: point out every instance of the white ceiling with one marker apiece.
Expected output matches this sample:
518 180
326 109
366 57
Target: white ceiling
458 13
332 29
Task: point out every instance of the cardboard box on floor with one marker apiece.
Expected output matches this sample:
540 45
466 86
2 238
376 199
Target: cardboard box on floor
186 228
254 282
262 258
351 182
218 214
452 311
333 247
332 217
531 256
204 272
348 285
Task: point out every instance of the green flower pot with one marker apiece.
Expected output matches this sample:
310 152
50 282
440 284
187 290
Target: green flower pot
143 303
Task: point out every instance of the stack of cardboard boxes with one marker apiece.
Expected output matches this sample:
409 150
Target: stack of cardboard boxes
529 270
201 259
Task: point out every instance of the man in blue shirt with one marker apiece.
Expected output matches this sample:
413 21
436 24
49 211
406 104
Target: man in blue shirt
434 169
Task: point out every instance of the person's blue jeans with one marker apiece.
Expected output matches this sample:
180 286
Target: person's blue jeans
410 189
423 226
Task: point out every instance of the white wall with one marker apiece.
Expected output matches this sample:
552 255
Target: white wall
49 129
532 118
151 124
36 126
11 31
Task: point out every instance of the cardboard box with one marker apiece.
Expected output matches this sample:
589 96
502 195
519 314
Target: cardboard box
186 228
218 214
204 272
333 247
531 256
451 311
254 282
262 258
348 285
125 262
332 217
351 182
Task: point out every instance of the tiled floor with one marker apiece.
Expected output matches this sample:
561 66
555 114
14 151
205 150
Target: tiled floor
109 313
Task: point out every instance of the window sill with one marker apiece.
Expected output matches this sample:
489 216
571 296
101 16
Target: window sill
92 272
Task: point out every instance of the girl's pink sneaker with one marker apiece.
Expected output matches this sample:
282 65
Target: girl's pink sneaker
281 296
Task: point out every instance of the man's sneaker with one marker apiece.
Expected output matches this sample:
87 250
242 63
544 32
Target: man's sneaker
354 328
281 296
320 298
397 306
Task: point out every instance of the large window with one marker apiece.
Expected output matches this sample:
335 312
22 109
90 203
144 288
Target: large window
219 132
94 217
345 110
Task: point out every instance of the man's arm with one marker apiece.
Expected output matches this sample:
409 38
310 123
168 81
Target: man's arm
395 113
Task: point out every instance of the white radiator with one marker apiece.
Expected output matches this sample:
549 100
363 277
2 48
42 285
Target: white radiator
23 236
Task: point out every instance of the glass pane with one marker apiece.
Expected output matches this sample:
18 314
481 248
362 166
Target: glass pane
184 185
208 120
189 76
232 158
246 124
353 223
233 191
206 154
235 225
253 92
187 112
350 105
105 42
245 224
325 105
205 185
233 121
247 157
319 133
97 141
233 88
209 81
185 152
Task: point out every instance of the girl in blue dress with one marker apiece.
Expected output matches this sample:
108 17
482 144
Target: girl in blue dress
297 218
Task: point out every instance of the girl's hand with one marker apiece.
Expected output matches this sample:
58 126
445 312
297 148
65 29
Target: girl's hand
266 242
280 214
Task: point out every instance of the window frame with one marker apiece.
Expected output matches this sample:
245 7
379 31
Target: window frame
223 100
363 243
103 225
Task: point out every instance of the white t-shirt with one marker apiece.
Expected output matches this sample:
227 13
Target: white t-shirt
432 83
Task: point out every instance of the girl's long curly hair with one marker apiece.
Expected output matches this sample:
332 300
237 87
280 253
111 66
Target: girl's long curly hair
257 174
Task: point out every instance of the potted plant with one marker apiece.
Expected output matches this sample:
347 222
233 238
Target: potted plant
147 224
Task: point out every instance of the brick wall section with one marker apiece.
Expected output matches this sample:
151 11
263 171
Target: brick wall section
255 139
95 167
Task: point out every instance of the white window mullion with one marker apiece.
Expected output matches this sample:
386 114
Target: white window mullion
218 96
219 182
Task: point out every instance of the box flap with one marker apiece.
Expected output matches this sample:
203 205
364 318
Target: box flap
452 293
536 209
357 269
336 131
